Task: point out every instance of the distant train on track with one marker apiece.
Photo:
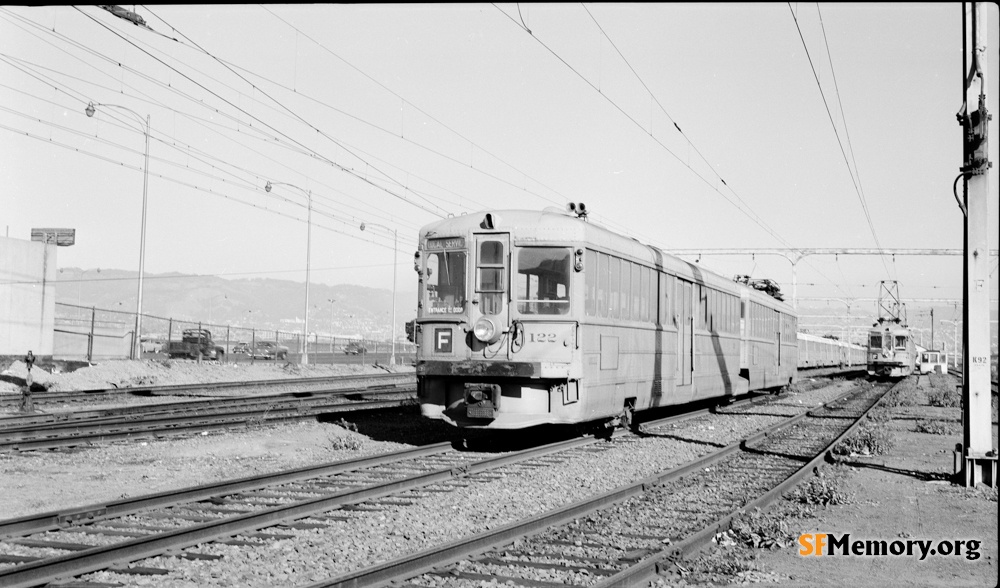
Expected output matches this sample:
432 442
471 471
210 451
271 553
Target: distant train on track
892 353
533 317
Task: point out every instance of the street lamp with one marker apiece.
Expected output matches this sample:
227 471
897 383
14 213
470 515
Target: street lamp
392 356
305 323
136 344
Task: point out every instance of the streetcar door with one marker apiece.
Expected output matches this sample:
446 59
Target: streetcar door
490 297
685 330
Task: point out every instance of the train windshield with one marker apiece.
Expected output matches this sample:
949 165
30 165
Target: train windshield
444 282
543 280
900 341
875 341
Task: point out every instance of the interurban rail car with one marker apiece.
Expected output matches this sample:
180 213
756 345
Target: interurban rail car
892 353
815 351
933 362
533 317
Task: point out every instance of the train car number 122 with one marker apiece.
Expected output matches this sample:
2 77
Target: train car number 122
542 337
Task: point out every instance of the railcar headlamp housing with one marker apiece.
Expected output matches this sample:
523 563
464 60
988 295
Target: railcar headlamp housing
486 330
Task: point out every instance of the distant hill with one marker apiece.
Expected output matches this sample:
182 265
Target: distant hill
264 303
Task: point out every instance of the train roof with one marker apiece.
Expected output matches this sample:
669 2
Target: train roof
553 225
890 327
810 337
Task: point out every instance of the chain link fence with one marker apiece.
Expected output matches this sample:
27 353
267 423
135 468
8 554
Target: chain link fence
95 334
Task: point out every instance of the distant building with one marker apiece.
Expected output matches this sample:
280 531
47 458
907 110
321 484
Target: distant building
28 271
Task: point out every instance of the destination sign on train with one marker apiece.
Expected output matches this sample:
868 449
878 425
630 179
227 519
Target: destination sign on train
450 243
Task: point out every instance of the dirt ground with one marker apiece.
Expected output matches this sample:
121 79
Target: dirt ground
903 494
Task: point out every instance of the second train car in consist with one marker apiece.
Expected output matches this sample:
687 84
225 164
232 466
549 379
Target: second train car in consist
533 317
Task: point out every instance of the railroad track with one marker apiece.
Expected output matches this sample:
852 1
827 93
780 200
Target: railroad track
8 401
626 536
959 374
254 510
53 430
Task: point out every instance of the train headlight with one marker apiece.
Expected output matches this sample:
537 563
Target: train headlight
486 330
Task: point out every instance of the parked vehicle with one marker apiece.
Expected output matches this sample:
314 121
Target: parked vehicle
355 348
195 343
151 345
269 350
242 348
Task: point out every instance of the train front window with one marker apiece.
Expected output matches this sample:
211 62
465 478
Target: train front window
445 282
543 280
875 342
491 271
900 341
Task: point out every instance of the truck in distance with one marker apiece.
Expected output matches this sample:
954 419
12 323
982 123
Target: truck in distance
195 343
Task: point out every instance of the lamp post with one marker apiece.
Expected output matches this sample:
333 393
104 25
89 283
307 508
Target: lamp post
392 356
305 321
136 344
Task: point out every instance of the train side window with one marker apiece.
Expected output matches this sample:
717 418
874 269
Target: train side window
734 316
729 314
603 296
637 311
625 311
543 280
712 315
614 287
592 271
644 293
671 297
663 300
703 307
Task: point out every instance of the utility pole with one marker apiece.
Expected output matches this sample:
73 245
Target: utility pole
933 347
978 457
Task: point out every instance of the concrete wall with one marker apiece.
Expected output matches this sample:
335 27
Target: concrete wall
28 271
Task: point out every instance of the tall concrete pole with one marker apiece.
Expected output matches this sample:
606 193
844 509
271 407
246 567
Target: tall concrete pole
979 459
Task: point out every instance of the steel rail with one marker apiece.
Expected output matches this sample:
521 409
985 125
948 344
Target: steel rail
97 558
103 557
412 565
55 520
75 434
176 389
218 404
648 568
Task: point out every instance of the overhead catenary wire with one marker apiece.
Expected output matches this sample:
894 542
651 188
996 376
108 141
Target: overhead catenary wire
744 209
323 158
752 216
854 180
48 81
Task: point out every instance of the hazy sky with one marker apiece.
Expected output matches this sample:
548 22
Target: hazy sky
397 115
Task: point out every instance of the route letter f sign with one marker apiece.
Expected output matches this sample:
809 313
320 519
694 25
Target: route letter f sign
442 340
